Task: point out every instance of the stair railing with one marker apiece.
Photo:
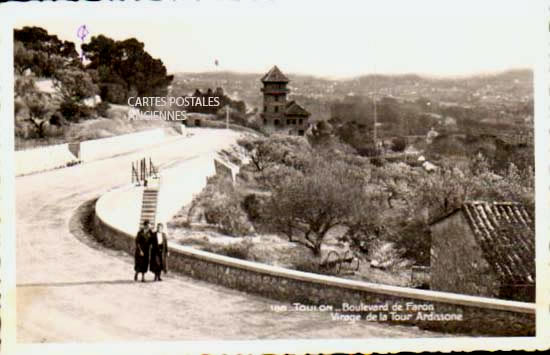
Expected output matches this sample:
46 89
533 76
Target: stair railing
135 174
141 171
152 169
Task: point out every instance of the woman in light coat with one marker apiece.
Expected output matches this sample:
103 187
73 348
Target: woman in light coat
159 252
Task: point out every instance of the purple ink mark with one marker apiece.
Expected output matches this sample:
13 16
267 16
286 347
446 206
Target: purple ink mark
81 33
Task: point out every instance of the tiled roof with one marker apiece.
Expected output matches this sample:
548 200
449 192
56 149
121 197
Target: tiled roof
506 233
294 109
275 76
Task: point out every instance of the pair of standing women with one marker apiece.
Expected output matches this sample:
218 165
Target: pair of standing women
151 251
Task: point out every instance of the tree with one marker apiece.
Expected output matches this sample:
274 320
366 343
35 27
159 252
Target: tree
308 205
125 65
22 58
321 134
32 109
388 110
37 38
41 52
24 85
275 150
366 223
396 182
449 187
38 111
74 86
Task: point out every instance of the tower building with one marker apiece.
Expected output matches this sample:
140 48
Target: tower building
278 113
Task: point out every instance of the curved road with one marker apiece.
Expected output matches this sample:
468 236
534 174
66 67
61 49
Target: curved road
69 291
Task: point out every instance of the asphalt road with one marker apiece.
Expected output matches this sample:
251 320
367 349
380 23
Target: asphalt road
69 291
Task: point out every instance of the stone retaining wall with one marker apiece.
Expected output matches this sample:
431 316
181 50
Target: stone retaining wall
481 316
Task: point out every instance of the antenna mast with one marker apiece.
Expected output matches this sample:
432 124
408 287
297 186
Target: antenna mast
374 136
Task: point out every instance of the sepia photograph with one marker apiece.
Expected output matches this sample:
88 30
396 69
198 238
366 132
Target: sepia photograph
363 172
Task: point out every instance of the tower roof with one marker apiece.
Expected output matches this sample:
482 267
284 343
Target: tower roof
274 75
294 109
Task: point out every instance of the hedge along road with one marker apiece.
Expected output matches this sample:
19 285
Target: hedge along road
69 291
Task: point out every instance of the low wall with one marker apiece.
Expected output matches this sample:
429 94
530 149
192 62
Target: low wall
108 147
179 183
43 158
481 316
124 208
60 155
226 169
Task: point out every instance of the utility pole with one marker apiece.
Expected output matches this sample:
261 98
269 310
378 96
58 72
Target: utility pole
375 124
227 116
374 135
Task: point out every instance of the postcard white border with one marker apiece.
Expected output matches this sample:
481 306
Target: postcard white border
10 12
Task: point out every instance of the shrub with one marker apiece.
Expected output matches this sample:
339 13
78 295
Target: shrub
237 250
102 108
378 162
74 112
115 93
256 125
252 206
398 144
367 151
222 207
415 240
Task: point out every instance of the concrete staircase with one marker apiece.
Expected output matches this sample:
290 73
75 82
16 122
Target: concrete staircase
149 206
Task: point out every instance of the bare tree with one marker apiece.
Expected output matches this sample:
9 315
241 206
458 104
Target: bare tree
306 206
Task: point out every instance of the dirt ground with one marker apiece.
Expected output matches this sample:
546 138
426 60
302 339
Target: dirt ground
278 251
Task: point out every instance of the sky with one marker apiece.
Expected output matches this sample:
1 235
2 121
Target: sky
334 39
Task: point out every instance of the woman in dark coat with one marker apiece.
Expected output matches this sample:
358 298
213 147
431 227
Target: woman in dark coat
141 256
159 252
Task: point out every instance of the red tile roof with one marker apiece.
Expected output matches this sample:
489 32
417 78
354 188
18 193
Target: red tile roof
506 233
275 76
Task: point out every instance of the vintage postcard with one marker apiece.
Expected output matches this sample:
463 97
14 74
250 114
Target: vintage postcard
275 176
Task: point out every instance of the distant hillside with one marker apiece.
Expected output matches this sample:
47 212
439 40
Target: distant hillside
524 77
316 94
